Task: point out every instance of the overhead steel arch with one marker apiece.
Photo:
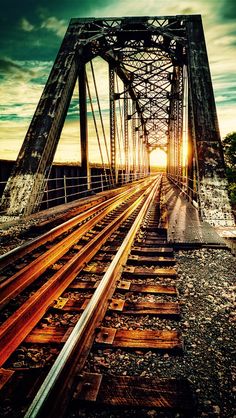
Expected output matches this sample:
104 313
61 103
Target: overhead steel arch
163 64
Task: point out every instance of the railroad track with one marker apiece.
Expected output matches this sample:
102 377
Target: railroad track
114 263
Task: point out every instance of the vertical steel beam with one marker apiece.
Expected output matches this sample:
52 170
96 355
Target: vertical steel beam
172 132
215 207
139 148
25 185
145 155
134 139
192 154
176 124
112 121
83 126
126 135
148 161
180 99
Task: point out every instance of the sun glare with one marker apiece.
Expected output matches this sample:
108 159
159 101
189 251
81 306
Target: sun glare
158 158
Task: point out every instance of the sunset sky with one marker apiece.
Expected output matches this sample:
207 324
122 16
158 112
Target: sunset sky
30 36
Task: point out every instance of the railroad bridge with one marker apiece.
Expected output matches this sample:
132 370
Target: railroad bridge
167 102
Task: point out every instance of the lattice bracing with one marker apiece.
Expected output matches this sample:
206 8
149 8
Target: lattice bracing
149 55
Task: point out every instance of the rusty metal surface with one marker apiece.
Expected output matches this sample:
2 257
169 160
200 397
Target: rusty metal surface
151 56
12 286
82 335
16 327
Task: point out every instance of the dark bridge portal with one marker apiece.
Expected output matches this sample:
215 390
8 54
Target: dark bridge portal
163 64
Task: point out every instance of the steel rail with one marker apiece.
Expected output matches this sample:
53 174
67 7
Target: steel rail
31 245
52 396
15 284
23 249
16 328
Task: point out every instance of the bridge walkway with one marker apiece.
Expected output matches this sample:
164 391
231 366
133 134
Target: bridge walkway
185 225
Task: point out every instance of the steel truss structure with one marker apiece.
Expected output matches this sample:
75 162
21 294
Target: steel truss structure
150 55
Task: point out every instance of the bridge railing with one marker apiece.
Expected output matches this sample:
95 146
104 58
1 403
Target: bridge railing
65 189
182 182
191 194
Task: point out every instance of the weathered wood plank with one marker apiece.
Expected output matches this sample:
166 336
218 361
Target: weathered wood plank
127 285
164 309
49 334
76 305
104 257
158 289
135 391
5 376
149 260
89 285
138 271
142 288
21 388
154 231
157 340
110 249
152 251
95 269
153 242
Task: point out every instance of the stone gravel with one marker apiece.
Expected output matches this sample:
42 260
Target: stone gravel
206 284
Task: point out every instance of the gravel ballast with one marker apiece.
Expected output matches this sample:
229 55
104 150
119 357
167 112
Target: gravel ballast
206 285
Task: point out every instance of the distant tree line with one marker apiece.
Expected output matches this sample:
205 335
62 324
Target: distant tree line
229 146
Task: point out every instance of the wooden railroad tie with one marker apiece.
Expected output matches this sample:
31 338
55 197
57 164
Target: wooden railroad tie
163 340
140 260
125 285
146 339
131 271
104 390
159 251
163 309
135 391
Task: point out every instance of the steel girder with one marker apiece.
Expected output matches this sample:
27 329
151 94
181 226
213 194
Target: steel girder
148 54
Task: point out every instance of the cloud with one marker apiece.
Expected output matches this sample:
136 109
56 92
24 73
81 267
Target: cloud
30 43
228 9
26 25
55 25
9 68
11 138
151 8
29 71
21 87
227 119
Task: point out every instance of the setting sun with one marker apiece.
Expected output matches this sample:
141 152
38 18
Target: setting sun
158 158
